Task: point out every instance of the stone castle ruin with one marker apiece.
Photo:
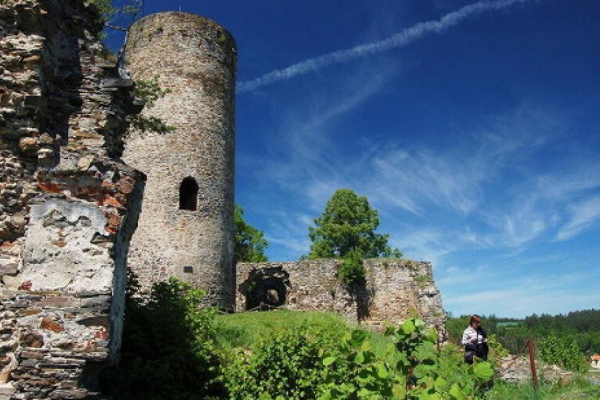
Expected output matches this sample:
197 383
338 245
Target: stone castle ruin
75 185
69 205
186 225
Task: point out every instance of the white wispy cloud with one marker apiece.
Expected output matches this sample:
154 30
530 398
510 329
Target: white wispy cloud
424 181
312 164
523 295
455 177
398 40
583 215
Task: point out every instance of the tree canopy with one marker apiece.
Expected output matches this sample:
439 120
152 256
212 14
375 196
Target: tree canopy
347 226
250 243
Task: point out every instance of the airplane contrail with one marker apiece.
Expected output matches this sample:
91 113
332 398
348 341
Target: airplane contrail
395 41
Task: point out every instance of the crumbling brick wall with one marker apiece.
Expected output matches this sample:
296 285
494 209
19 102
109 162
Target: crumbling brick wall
68 205
393 290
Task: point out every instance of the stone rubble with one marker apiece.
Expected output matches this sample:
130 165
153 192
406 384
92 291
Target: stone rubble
518 371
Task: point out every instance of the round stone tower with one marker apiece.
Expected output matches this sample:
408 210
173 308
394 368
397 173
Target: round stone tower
186 225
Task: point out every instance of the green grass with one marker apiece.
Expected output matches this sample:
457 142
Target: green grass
579 389
249 330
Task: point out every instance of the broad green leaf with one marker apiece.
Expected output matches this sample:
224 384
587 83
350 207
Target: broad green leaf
408 326
357 338
365 393
382 370
329 360
440 383
326 396
360 357
432 335
483 371
456 393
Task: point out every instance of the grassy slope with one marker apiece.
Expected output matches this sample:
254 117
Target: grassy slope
248 330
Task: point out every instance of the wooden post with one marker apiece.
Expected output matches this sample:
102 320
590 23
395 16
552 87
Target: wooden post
532 363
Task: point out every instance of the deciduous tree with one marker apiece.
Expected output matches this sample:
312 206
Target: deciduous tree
250 243
347 225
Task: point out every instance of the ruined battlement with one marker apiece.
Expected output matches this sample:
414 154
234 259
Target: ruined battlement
393 290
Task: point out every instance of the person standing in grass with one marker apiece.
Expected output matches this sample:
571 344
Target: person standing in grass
474 340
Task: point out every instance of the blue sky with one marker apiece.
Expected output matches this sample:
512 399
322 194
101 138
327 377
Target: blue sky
474 129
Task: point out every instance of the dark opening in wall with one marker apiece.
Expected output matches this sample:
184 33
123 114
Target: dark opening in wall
188 194
266 287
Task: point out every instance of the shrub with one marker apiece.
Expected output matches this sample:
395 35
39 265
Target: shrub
287 365
168 347
558 351
353 372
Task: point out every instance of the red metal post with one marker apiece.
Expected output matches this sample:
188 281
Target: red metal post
532 363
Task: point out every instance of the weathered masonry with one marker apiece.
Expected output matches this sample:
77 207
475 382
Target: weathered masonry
68 206
393 291
186 225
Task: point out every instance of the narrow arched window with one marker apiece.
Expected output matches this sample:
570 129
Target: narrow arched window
188 194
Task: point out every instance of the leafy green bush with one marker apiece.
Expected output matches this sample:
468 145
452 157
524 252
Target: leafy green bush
353 372
497 350
149 91
556 350
287 365
168 347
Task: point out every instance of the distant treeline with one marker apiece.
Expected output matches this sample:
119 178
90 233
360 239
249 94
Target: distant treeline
580 326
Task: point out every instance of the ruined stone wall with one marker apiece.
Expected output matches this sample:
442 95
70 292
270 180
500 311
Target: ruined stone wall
392 291
399 289
304 285
68 205
195 59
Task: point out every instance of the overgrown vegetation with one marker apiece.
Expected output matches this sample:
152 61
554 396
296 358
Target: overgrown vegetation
579 389
173 349
105 7
149 91
248 331
168 349
558 351
352 269
346 230
287 364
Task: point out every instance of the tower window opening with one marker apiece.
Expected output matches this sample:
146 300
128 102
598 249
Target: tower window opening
188 194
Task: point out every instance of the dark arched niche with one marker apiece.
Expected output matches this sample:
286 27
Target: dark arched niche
188 194
265 287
